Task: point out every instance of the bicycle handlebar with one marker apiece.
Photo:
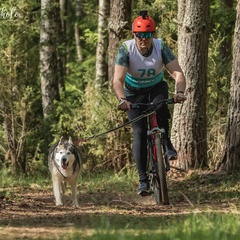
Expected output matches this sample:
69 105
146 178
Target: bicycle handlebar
151 105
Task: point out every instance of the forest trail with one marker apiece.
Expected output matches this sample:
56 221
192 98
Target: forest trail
31 212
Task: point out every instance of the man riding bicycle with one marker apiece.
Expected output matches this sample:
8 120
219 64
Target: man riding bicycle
138 78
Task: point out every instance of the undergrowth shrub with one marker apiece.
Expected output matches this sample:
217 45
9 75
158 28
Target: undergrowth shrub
111 150
92 113
219 75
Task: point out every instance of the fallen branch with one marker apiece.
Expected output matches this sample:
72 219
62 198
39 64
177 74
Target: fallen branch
187 199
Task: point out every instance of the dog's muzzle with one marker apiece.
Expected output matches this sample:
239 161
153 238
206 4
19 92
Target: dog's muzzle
64 162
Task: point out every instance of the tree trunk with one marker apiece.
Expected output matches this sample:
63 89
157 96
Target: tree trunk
226 44
231 152
48 66
102 45
48 56
12 144
228 3
119 25
61 16
189 131
77 30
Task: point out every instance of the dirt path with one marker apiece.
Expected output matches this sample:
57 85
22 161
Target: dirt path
31 212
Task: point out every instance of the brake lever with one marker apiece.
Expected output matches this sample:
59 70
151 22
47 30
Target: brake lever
134 105
170 101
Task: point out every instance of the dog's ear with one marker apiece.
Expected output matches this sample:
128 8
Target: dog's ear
70 140
61 141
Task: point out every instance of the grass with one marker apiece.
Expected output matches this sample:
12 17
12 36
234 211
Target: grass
196 226
91 181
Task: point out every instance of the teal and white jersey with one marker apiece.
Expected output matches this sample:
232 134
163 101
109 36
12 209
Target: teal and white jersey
143 71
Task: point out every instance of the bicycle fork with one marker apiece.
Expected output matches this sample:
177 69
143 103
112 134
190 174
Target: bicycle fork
152 149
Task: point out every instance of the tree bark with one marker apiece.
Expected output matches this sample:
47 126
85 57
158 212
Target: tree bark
49 67
77 31
102 45
226 44
189 131
228 3
61 16
231 153
48 56
119 26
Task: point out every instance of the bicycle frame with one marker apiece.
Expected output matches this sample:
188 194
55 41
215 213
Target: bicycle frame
159 191
153 128
158 163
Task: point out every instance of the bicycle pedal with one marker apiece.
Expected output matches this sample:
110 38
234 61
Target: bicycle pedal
167 169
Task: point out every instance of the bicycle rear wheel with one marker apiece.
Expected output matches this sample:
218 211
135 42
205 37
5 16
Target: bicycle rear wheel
161 170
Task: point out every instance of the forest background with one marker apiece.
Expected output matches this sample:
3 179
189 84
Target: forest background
56 69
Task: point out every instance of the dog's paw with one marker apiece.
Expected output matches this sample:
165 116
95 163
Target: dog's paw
75 204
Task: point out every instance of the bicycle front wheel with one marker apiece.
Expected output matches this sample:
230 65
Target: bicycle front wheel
156 189
161 169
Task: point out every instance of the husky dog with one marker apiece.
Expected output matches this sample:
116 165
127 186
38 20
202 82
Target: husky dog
64 163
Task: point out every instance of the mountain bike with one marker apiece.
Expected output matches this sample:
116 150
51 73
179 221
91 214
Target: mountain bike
157 158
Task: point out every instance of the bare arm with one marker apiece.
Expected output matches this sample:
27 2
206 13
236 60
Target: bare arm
118 86
180 82
118 81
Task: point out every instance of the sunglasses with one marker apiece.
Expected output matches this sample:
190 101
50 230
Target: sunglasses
144 35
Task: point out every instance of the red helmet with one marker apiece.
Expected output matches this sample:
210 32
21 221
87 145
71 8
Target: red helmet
143 23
